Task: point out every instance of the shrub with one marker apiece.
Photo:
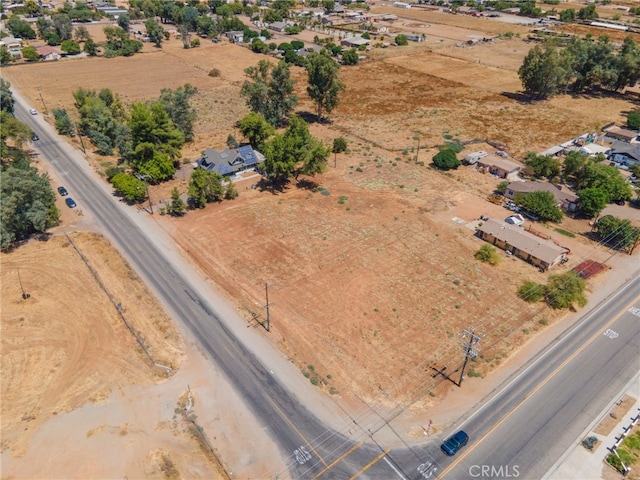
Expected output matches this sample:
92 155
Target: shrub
446 160
488 254
633 120
531 291
214 72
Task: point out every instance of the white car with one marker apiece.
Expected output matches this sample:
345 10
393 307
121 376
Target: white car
516 219
33 111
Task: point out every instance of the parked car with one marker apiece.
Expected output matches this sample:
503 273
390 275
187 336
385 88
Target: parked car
33 111
620 202
70 203
530 215
516 219
63 191
35 138
455 443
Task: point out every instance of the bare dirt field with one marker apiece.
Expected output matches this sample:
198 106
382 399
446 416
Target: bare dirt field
373 278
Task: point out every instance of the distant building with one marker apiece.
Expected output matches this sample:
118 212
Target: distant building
566 200
354 42
621 133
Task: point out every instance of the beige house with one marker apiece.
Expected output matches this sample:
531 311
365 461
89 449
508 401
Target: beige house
541 253
498 166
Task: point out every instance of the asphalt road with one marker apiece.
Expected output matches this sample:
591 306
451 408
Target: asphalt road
528 424
533 421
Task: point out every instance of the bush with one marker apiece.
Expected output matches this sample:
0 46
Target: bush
401 39
488 254
633 120
446 160
214 72
531 291
112 171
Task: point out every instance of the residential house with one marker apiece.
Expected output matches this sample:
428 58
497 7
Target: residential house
278 26
48 53
14 46
566 200
235 36
621 133
354 42
230 161
541 253
499 167
625 153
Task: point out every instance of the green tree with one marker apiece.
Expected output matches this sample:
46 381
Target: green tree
315 160
324 85
543 165
588 13
531 291
617 232
401 40
124 22
609 180
574 167
154 31
81 34
20 28
488 254
256 129
7 101
446 159
119 43
269 91
592 201
44 26
543 204
90 47
11 128
590 63
258 46
151 125
231 191
52 39
178 105
70 47
205 187
5 55
565 290
633 120
339 146
62 26
129 187
177 206
64 124
285 151
627 65
568 15
27 202
542 72
30 54
350 57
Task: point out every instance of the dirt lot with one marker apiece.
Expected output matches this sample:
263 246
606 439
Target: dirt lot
373 280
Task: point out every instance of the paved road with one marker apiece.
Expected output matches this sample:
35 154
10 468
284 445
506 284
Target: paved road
536 419
546 415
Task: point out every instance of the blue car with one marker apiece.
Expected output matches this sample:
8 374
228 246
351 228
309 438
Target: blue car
70 203
455 443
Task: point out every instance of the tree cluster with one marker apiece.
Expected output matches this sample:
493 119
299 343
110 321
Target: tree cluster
566 290
596 183
27 201
617 232
583 64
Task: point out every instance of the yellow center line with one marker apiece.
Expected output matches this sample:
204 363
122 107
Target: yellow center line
370 464
286 419
355 447
535 390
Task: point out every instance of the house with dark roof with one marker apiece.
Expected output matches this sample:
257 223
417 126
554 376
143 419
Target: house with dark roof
541 253
230 161
566 200
625 153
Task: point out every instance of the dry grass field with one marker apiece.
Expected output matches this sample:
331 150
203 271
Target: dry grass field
374 282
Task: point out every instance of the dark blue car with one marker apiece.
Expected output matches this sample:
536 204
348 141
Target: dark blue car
70 203
455 443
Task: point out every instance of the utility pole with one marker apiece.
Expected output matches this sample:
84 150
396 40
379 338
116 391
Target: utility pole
418 149
469 350
267 323
44 105
81 141
25 295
